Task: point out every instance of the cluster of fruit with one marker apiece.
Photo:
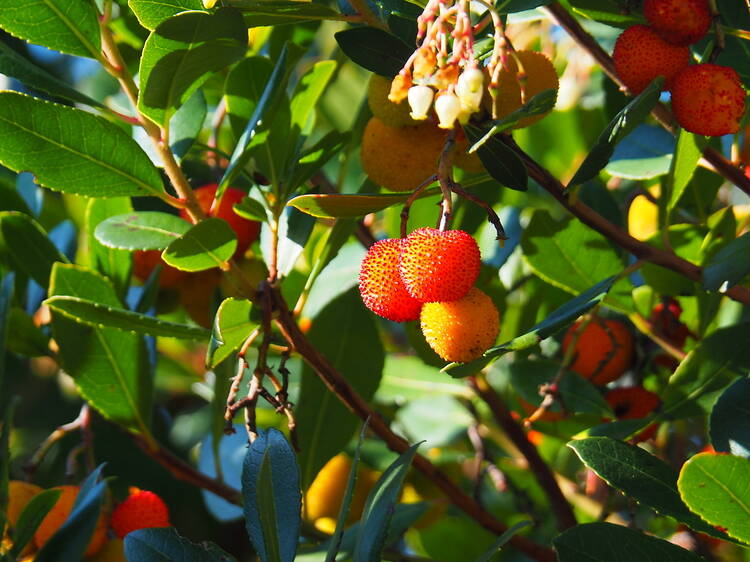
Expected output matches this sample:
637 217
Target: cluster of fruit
707 99
140 510
430 275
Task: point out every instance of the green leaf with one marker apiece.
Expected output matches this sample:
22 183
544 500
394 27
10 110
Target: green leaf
606 542
29 247
273 12
715 487
294 232
325 426
243 90
4 461
102 316
186 124
729 266
149 545
628 119
144 230
6 299
340 206
232 326
686 156
25 338
108 366
729 424
502 540
30 519
378 510
36 78
315 157
251 209
641 476
151 13
210 243
181 54
500 161
73 151
68 26
110 262
271 496
374 49
307 93
407 378
570 255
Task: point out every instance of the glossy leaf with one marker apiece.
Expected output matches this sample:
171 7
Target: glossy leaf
144 230
503 539
148 545
640 475
715 487
729 266
68 26
108 366
110 262
294 232
271 496
25 338
73 151
341 206
626 121
151 13
30 519
318 155
210 243
646 153
374 49
186 124
729 424
232 326
274 12
6 298
324 424
499 160
29 247
181 54
91 313
606 542
243 90
686 156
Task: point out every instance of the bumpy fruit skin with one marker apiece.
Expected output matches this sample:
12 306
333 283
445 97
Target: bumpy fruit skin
392 114
19 495
462 330
708 99
380 284
400 158
641 55
141 510
247 231
631 403
145 261
603 350
439 266
682 22
60 512
540 75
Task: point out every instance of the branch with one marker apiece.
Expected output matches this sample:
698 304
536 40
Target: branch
545 477
337 384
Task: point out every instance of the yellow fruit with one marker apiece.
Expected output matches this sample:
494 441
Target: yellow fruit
643 217
540 76
19 495
461 330
60 512
400 159
112 551
392 114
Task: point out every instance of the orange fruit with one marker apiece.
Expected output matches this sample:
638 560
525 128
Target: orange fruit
603 349
141 510
632 403
682 22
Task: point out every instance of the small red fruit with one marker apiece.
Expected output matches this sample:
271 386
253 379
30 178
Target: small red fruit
603 349
666 318
708 99
145 261
682 22
439 266
632 403
247 231
141 510
380 284
640 55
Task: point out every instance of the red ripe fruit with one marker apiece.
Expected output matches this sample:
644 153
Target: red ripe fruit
640 55
682 22
439 266
380 284
708 99
141 510
633 403
247 231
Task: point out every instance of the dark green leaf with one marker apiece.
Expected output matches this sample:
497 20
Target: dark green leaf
181 54
513 6
29 247
151 13
318 155
186 124
374 49
502 539
6 299
729 266
715 487
110 262
639 475
628 119
499 160
278 486
30 519
68 26
251 209
686 156
150 545
73 151
26 338
729 425
243 90
294 232
279 13
109 367
210 243
376 516
646 153
232 326
4 460
340 206
144 230
606 542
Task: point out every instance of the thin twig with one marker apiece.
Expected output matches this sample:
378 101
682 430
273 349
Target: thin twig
491 214
410 201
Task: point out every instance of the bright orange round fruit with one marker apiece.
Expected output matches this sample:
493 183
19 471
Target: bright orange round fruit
632 403
461 330
682 22
603 349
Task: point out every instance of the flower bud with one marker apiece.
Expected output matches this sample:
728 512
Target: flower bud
447 107
469 89
399 88
424 63
420 100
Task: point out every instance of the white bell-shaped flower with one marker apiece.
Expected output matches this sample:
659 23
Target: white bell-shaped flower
469 89
447 107
420 100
